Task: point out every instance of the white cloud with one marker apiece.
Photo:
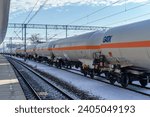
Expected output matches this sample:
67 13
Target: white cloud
26 5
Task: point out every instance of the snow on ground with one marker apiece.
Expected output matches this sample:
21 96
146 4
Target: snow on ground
93 87
129 86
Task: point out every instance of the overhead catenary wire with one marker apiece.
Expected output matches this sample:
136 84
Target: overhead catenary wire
90 14
31 11
94 12
17 34
118 13
73 21
98 10
129 19
37 11
126 10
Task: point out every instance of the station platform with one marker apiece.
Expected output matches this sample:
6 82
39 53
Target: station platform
10 88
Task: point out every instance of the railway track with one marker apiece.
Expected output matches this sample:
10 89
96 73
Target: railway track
79 72
132 87
102 79
45 91
29 92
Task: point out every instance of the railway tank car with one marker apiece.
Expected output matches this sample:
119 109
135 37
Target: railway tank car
20 52
78 50
121 53
30 50
127 50
13 51
43 52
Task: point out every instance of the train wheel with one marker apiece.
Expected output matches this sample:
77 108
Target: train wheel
70 67
124 80
144 82
66 66
56 64
99 74
110 78
60 66
92 75
85 73
50 63
76 66
130 82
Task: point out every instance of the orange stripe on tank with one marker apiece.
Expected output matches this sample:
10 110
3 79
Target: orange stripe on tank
110 45
77 48
102 46
127 44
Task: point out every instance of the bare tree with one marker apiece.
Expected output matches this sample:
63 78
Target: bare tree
35 38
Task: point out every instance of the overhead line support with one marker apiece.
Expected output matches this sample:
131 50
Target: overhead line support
61 27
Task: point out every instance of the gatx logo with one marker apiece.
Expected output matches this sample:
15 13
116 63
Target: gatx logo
107 39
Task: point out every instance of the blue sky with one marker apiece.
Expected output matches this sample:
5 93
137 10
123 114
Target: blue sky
66 11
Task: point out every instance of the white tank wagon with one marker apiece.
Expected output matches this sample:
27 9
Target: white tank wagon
79 50
20 52
13 52
30 51
126 50
17 51
43 51
122 53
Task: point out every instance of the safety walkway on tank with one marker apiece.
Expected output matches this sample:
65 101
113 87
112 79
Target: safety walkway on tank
10 88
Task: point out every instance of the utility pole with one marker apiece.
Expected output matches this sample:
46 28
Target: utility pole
46 32
22 30
66 31
25 37
10 45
